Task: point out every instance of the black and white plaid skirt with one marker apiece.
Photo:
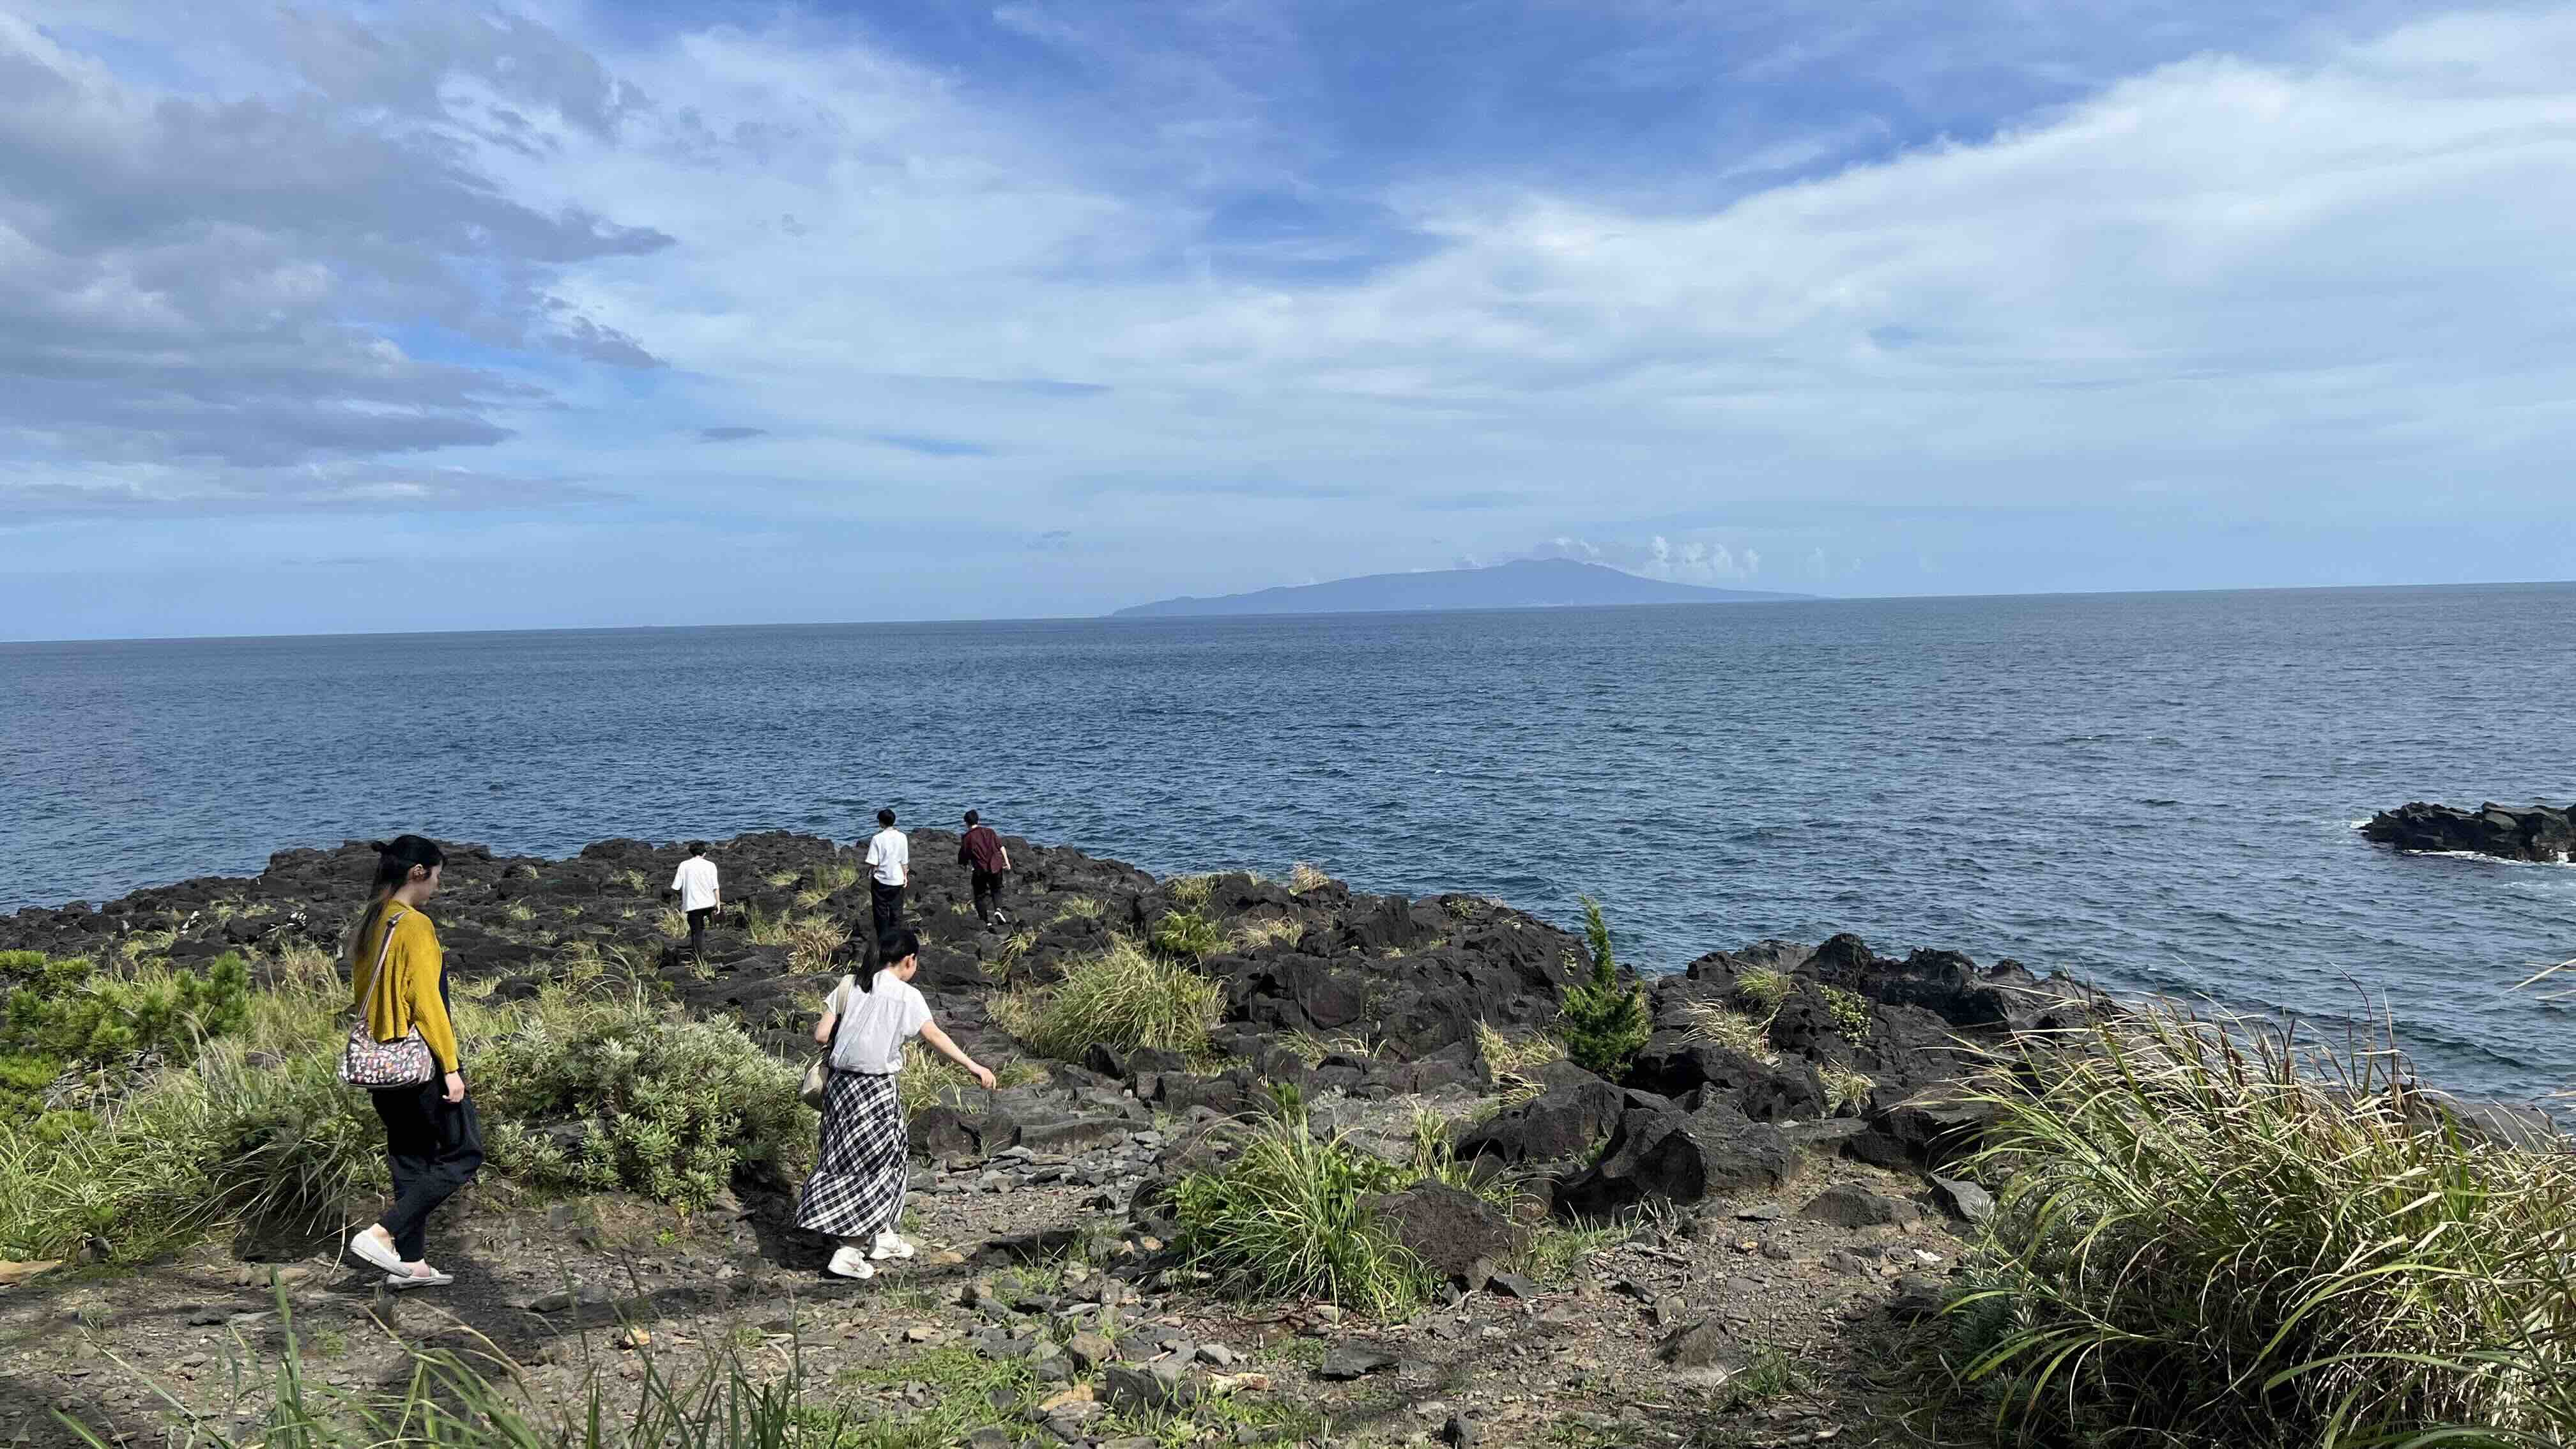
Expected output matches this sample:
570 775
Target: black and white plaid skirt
859 1176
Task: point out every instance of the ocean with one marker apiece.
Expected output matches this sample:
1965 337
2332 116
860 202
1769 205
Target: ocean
2154 791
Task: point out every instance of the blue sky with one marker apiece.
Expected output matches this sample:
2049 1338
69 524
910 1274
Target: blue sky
417 316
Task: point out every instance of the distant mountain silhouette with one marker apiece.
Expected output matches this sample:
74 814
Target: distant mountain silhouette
1529 584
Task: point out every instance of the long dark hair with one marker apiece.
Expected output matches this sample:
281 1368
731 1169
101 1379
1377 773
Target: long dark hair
897 943
394 860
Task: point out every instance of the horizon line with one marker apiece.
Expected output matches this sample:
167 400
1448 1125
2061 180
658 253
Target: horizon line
1790 601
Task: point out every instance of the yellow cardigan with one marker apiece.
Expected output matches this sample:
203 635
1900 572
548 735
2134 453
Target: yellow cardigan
411 990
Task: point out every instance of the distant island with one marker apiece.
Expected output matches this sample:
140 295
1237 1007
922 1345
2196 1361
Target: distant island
1528 584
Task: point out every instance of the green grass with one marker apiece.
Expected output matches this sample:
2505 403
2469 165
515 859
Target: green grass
1284 1219
1556 1250
997 967
1187 935
1765 988
1304 877
257 1129
1121 996
929 1078
1083 908
1515 1061
1192 890
2206 1235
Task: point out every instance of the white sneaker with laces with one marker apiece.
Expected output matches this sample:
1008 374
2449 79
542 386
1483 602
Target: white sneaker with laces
849 1263
890 1246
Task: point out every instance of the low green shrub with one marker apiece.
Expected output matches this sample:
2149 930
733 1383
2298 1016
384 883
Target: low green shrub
1188 935
1849 1012
73 1011
1603 1025
1123 997
663 1107
1285 1219
2206 1234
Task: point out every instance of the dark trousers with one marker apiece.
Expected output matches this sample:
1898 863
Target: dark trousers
888 903
988 893
698 929
435 1147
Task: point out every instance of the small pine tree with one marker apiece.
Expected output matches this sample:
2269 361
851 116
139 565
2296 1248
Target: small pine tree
1604 1026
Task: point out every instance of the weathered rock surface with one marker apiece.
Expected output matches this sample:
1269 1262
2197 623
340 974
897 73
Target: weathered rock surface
2534 833
1454 1232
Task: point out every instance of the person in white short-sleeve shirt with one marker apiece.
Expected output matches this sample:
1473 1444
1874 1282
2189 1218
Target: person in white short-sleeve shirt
701 896
889 862
860 1173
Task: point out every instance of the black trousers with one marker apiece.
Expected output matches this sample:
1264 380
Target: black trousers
887 900
435 1147
698 929
988 893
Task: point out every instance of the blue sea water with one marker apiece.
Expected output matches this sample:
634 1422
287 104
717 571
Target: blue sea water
2155 791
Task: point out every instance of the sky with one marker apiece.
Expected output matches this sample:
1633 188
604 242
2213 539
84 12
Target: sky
425 316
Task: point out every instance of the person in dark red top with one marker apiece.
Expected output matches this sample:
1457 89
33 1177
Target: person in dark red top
981 852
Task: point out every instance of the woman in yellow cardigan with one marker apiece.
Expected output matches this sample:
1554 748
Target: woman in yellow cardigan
431 1138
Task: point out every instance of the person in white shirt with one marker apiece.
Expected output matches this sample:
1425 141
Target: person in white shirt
889 865
701 895
856 1191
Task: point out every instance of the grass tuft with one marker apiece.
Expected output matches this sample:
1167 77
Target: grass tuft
1722 1025
1123 997
1188 935
1845 1086
2208 1233
1766 988
1275 931
1515 1061
1286 1218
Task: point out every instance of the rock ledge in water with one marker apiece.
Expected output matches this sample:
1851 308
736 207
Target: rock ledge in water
2538 833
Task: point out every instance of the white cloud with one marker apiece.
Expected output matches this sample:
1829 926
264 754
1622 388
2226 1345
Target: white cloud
2328 282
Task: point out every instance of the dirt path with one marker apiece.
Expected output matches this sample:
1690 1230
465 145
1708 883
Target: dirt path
1792 1313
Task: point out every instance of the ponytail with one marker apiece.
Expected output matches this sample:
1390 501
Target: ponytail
394 861
396 857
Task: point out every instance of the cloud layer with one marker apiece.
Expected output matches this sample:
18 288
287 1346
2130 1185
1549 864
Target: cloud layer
1079 310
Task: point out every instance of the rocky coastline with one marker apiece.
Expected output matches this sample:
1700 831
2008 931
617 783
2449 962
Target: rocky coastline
2537 833
1787 1200
1400 984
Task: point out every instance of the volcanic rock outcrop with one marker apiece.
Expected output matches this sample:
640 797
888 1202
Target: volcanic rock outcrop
2536 833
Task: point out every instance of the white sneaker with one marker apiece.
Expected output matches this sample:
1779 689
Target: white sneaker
849 1263
890 1246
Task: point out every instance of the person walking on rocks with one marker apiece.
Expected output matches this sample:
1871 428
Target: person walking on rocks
701 895
857 1190
983 854
889 864
432 1141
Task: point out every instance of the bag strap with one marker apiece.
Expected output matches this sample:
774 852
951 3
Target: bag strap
848 991
384 948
